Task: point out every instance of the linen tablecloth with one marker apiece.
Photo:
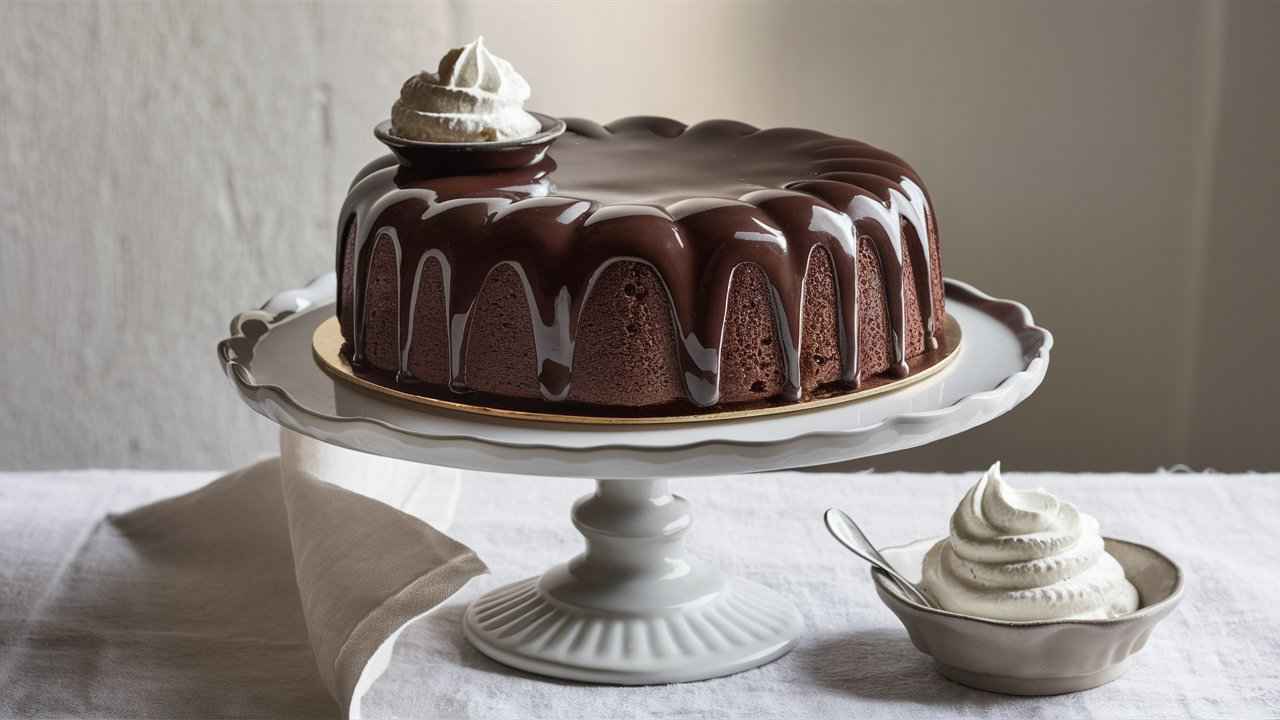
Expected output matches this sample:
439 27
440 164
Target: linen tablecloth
1217 656
275 590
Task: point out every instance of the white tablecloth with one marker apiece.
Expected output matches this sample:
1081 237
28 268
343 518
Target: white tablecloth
1216 656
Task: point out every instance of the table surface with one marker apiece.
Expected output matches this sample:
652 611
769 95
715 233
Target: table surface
1218 655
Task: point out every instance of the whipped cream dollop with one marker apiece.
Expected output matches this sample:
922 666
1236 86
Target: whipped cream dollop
1024 555
473 96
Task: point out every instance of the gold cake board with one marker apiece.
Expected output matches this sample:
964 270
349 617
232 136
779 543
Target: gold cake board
326 345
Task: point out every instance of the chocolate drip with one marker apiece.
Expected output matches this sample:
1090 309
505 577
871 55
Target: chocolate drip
692 203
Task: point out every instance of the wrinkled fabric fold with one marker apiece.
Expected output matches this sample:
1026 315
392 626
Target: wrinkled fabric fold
265 593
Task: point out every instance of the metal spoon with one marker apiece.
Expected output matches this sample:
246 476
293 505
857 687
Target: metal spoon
846 531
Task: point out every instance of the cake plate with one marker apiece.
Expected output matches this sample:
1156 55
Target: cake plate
635 607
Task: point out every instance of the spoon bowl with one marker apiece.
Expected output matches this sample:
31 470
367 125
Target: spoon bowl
847 533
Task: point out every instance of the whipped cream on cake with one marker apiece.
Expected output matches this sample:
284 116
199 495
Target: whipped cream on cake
1024 555
473 96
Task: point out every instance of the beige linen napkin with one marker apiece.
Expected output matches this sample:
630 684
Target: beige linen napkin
266 593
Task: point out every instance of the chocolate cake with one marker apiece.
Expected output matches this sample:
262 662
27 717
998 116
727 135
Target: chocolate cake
641 264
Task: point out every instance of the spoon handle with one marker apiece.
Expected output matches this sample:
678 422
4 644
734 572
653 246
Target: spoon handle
846 531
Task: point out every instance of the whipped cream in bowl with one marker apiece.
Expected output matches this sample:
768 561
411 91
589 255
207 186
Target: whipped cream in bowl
473 96
467 115
1025 555
1032 599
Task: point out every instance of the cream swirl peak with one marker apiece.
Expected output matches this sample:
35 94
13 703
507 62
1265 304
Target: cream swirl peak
473 96
1024 555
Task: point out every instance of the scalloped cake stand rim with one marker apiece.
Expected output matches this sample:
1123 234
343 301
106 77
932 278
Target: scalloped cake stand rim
269 360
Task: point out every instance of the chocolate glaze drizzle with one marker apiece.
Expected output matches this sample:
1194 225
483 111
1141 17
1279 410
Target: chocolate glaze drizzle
693 203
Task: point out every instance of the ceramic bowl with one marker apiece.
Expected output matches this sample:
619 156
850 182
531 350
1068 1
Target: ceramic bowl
1035 658
447 158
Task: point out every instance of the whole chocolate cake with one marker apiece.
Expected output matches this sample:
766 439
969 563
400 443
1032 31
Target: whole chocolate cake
638 264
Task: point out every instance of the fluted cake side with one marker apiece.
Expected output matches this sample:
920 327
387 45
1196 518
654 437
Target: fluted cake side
643 264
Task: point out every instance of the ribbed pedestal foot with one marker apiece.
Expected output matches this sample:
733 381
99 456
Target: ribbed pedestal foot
635 608
743 626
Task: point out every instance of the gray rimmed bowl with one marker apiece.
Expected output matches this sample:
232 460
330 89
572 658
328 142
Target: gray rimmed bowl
1041 657
459 158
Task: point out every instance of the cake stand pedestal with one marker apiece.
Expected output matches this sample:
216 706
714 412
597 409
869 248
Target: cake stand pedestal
635 607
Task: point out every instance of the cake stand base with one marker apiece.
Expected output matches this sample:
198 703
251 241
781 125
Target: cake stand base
635 608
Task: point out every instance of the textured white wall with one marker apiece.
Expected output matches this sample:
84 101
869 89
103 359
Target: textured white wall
164 166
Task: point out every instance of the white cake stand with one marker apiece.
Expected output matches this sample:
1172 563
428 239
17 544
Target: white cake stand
635 607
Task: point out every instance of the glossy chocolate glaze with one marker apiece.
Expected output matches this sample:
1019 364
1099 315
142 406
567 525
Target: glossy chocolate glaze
693 203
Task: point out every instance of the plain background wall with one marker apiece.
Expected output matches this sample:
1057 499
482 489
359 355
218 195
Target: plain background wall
1115 165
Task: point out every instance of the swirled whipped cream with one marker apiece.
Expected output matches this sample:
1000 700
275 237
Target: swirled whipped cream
473 96
1024 555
